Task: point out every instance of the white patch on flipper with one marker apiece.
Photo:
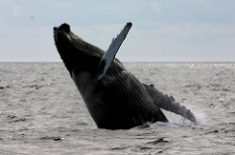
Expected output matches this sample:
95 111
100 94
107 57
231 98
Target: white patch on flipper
109 56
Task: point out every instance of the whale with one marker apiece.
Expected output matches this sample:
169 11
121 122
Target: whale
114 97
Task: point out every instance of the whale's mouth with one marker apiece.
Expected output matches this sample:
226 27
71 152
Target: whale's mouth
64 27
68 42
62 32
75 52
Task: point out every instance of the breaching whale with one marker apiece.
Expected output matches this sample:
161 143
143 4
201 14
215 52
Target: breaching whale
115 98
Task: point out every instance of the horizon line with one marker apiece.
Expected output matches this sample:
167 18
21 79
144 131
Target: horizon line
202 61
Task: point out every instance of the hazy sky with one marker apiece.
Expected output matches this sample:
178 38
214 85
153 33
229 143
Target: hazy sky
164 30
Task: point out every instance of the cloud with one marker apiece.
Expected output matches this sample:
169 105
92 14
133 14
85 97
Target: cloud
17 11
155 7
28 44
2 24
162 31
187 41
4 1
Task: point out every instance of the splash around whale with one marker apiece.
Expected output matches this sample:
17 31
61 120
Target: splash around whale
115 98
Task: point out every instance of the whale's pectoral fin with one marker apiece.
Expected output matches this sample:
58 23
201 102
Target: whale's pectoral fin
168 103
109 56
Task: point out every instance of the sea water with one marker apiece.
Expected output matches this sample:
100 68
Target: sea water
42 112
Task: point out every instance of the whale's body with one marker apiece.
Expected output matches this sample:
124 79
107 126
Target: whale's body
118 100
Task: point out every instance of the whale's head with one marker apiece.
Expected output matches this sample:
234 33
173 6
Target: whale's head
76 53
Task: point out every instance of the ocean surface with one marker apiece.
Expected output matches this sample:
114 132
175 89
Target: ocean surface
42 112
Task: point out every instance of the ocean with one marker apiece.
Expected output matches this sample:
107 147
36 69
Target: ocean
42 112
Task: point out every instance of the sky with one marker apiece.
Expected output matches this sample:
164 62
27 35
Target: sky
163 30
